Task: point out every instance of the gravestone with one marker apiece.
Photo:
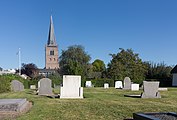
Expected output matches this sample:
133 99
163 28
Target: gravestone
88 84
118 85
32 87
127 83
38 84
10 109
134 87
12 104
17 86
44 87
150 90
106 85
162 89
71 87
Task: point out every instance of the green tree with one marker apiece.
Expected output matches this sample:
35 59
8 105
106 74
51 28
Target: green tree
56 78
74 61
127 63
159 72
98 66
30 69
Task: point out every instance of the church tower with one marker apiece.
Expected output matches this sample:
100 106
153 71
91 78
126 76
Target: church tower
51 49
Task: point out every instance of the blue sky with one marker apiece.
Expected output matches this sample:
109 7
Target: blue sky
149 27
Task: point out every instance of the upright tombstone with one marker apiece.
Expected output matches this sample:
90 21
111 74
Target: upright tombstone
118 85
88 84
71 87
17 86
38 84
106 85
45 87
32 87
134 87
150 90
127 83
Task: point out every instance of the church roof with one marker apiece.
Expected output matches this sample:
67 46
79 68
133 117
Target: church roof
174 70
51 38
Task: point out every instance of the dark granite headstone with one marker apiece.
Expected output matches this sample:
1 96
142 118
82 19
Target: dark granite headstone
45 87
155 116
127 83
17 86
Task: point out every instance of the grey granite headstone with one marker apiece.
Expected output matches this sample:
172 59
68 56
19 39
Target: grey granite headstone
45 87
17 86
127 83
150 90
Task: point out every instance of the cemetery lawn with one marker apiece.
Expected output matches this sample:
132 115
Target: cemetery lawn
98 104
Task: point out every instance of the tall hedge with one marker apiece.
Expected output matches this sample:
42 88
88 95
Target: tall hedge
100 82
4 84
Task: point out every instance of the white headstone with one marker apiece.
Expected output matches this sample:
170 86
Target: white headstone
106 85
118 84
88 84
33 87
38 84
134 87
71 87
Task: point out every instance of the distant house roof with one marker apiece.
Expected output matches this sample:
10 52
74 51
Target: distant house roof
174 70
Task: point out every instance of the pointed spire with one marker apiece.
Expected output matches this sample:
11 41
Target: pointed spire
51 37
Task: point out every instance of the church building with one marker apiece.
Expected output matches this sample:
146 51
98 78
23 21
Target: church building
51 53
51 49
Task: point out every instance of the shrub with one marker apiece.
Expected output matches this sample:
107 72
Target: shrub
4 84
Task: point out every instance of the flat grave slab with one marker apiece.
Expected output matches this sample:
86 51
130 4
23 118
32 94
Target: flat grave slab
12 104
12 108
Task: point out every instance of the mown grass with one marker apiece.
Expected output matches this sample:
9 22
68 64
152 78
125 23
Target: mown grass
98 104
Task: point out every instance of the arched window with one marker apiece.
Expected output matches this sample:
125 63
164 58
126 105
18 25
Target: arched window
52 52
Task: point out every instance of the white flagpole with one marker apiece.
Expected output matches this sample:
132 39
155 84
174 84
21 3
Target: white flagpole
19 61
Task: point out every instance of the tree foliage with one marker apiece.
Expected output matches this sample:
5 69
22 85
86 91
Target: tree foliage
98 66
74 61
30 70
127 63
158 70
